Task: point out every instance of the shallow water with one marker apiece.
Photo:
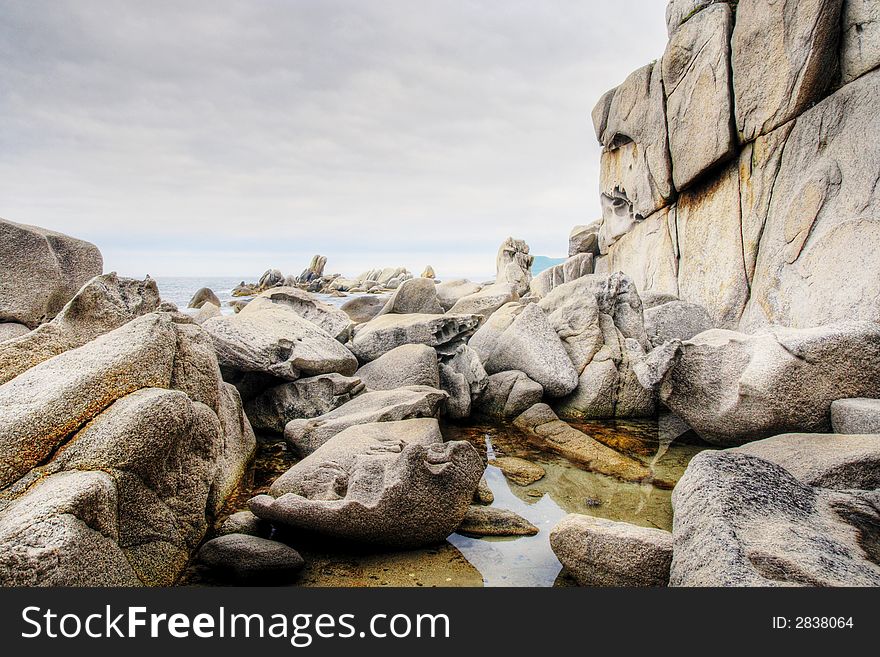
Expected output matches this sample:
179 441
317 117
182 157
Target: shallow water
521 561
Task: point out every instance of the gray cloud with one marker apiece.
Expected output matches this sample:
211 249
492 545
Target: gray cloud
224 137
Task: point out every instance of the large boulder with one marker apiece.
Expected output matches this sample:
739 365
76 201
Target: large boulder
117 455
362 309
250 559
486 301
514 265
105 303
584 238
699 103
449 292
270 278
599 552
274 339
860 40
382 334
406 365
330 318
785 56
395 483
856 415
507 395
463 378
521 338
40 271
542 425
733 388
742 521
307 435
676 320
826 460
576 266
202 296
305 398
415 296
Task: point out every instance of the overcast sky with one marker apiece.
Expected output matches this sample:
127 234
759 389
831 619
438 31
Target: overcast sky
225 137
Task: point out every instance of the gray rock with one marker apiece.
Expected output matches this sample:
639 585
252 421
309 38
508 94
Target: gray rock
856 415
860 47
699 104
274 339
785 56
576 266
507 395
206 312
407 365
202 296
415 296
40 271
654 299
530 345
314 271
463 378
245 522
362 309
382 334
825 460
486 301
250 559
394 484
492 521
733 388
270 278
449 292
679 12
302 399
635 167
676 320
514 265
329 318
307 435
599 552
103 304
584 239
12 330
743 521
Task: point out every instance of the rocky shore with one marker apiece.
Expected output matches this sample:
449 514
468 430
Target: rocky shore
730 289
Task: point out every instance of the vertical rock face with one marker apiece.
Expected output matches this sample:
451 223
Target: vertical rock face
696 78
785 56
635 168
40 271
860 46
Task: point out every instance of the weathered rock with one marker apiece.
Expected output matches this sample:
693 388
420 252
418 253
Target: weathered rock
530 345
699 104
856 416
245 290
618 219
733 388
679 12
40 271
412 297
484 494
573 268
584 239
245 522
329 318
636 170
406 365
429 272
599 552
541 423
463 378
394 483
449 292
382 334
275 340
654 299
103 304
307 435
491 521
270 278
250 559
676 320
826 460
508 394
517 470
237 306
301 399
315 269
362 309
785 56
206 312
824 204
743 521
486 301
647 254
514 265
860 46
202 296
12 330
